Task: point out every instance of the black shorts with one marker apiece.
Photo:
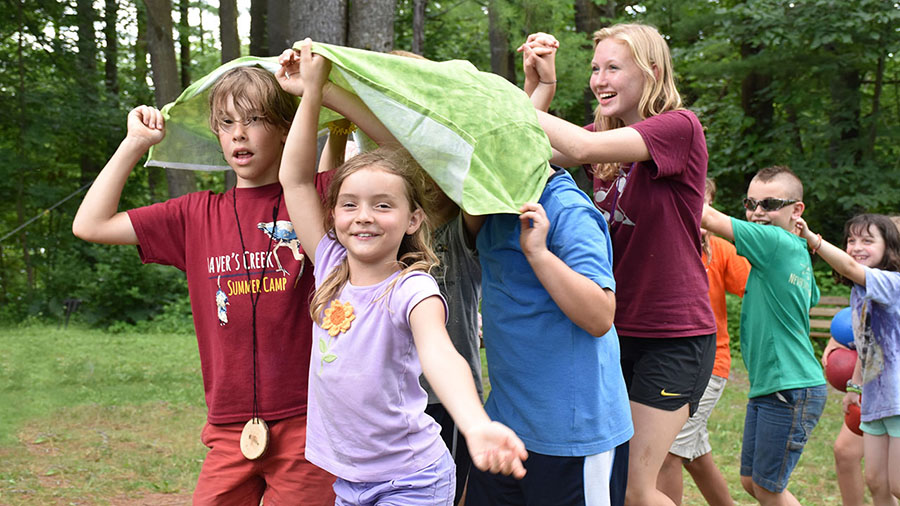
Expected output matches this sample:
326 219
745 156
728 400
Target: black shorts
667 373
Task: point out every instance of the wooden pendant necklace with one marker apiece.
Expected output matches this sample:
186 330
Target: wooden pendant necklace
255 436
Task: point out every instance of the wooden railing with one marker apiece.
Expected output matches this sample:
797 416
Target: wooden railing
821 315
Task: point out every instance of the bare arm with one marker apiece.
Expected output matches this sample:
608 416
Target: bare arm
97 219
717 222
298 162
837 258
569 289
539 63
335 145
581 146
493 446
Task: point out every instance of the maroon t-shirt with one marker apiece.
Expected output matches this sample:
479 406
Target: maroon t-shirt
198 234
661 284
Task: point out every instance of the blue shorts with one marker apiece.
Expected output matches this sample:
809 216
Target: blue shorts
561 481
889 425
432 486
776 429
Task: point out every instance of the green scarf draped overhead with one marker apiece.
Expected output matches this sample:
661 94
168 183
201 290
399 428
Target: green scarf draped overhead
475 133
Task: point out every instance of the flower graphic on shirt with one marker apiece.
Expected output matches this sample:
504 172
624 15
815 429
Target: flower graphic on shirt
338 318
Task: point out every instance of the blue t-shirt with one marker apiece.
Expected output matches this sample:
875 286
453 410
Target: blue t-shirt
876 331
559 388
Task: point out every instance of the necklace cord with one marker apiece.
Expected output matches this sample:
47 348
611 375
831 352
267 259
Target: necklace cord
253 301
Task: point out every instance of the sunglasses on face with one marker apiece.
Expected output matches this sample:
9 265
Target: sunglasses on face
768 204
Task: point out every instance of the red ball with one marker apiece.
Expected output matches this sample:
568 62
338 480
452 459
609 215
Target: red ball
851 419
841 362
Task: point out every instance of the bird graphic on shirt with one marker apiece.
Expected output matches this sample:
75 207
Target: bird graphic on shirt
282 231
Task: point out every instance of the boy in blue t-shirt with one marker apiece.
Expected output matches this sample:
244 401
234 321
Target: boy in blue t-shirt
547 289
787 387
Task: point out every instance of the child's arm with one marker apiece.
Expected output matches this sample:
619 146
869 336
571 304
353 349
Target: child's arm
539 62
298 162
574 145
492 445
717 222
837 258
569 289
856 379
335 145
97 219
334 97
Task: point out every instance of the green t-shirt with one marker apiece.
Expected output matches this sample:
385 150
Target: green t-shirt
780 291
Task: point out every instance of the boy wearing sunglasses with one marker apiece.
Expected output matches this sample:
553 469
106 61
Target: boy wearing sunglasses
787 387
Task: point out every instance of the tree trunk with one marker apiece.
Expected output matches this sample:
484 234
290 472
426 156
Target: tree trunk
371 25
86 80
259 44
418 41
876 106
320 20
184 42
112 48
165 78
756 103
844 118
503 62
228 33
21 152
277 21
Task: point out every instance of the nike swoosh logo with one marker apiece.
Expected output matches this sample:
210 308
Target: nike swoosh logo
668 394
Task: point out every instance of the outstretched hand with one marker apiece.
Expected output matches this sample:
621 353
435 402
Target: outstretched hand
146 125
496 448
803 230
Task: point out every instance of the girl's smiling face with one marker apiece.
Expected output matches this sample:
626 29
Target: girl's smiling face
617 81
866 246
372 215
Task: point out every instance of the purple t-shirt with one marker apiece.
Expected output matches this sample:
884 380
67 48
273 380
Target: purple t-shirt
662 288
366 417
876 332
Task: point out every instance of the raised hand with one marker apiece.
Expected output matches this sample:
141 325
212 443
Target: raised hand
146 126
539 58
496 448
314 68
288 75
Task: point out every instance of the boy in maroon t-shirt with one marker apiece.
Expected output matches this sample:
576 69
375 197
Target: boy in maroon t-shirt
249 296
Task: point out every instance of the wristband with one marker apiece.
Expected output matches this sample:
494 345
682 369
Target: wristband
818 244
546 82
339 130
853 387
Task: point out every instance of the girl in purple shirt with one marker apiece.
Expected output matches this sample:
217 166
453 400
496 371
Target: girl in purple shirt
378 315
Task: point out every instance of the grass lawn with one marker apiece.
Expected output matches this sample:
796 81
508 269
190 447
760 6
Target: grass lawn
91 418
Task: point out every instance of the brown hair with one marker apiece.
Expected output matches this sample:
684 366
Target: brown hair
651 54
415 253
862 223
255 92
794 184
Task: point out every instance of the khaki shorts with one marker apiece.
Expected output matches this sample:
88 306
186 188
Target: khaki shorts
693 440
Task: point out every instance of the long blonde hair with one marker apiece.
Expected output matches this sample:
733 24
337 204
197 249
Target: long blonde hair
415 253
651 54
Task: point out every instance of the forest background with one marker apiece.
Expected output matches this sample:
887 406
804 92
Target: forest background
812 84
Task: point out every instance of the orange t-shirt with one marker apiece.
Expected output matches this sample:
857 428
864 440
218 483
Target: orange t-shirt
727 271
